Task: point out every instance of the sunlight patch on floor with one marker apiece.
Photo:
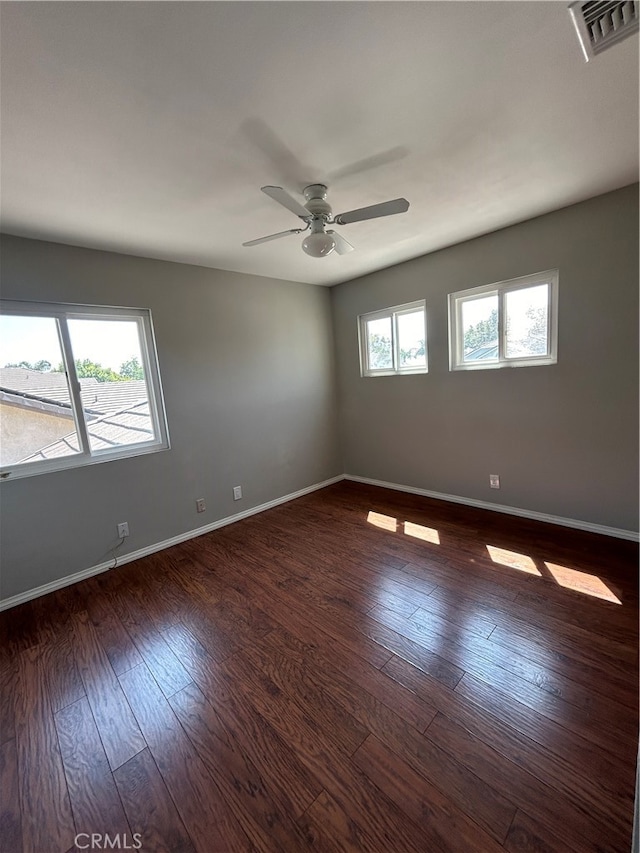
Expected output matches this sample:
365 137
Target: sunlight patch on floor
386 522
513 560
418 531
582 582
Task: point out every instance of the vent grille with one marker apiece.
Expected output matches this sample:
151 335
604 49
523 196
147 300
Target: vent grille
603 23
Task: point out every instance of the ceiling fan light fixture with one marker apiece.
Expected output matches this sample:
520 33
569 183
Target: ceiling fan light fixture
318 244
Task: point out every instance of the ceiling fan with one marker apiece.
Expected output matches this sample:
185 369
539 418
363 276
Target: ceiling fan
317 215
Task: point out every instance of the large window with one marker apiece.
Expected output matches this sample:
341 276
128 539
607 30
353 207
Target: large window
78 384
509 324
394 340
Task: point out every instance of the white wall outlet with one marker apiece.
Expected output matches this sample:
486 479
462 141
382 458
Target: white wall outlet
123 529
237 493
494 481
201 505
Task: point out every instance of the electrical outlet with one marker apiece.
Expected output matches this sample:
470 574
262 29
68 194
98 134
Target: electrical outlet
237 493
123 529
494 481
200 505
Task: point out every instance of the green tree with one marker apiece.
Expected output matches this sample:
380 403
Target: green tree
534 340
380 352
409 355
42 366
483 332
87 369
132 369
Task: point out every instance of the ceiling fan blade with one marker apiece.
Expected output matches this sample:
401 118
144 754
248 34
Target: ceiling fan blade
283 198
274 236
342 246
279 158
386 208
372 162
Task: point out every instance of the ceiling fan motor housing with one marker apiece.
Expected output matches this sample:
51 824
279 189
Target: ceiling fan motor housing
317 205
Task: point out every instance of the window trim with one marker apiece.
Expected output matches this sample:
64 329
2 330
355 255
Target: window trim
392 314
62 312
456 338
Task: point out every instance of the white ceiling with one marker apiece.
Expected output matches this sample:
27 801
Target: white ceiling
148 128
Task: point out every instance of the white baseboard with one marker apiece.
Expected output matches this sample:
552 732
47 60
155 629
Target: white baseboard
619 533
29 594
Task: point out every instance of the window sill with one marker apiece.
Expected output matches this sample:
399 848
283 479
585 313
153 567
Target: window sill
66 463
412 372
538 362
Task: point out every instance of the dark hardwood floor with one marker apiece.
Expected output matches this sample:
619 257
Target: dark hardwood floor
357 670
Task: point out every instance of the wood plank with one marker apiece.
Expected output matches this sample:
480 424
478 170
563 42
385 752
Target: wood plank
325 831
337 626
8 686
359 686
347 830
120 734
64 684
516 619
387 825
328 714
288 780
335 574
595 673
594 826
489 808
605 618
402 646
47 823
288 616
162 663
577 748
95 802
614 728
150 811
313 677
528 836
111 634
10 818
446 827
200 804
570 779
239 781
564 758
444 617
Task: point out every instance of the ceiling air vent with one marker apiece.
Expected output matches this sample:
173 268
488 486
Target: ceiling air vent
602 23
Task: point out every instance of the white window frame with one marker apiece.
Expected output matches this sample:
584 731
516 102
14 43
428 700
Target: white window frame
500 289
86 455
392 314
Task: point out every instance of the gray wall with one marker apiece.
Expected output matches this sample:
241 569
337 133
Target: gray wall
249 383
563 438
248 370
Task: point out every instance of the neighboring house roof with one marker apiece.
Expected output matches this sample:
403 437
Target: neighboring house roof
129 426
98 398
483 352
35 381
31 401
117 412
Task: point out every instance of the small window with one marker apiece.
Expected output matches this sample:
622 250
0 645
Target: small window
509 324
78 384
393 341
